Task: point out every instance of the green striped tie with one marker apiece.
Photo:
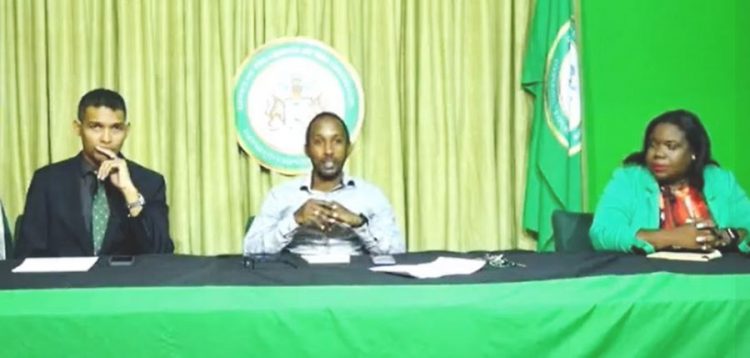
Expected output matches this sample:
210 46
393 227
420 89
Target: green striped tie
99 216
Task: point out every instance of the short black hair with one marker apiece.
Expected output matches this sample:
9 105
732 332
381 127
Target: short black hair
697 139
322 115
101 97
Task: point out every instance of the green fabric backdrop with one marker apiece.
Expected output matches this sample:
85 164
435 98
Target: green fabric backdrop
446 122
641 58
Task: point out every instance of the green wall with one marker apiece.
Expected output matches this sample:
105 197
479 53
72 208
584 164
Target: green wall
643 57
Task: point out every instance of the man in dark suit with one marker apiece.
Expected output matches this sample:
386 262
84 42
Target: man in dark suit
98 202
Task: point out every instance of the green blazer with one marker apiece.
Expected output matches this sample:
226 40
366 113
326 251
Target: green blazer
631 202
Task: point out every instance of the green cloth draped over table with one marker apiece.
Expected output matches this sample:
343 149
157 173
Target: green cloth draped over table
645 315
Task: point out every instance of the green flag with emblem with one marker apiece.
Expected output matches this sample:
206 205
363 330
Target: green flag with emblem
550 75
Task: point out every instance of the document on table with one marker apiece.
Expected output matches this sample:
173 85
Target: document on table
686 256
327 259
56 264
442 266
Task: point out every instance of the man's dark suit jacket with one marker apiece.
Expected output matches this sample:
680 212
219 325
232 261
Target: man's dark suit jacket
53 222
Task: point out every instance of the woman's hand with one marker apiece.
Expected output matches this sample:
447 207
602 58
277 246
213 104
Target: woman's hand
699 235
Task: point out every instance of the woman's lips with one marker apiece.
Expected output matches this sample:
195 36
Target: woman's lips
658 168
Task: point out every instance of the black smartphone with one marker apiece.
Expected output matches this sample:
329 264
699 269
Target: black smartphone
121 260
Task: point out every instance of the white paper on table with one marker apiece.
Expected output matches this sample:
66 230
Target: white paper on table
56 264
327 258
442 266
685 256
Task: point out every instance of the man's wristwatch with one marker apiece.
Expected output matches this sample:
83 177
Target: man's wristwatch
138 203
363 222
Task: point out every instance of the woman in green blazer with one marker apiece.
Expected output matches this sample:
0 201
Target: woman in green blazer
672 195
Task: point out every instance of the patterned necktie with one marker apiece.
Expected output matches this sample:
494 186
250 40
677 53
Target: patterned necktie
99 216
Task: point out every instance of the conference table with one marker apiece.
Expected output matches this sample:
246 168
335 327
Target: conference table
558 304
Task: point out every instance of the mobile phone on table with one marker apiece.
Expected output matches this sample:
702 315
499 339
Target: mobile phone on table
121 260
383 260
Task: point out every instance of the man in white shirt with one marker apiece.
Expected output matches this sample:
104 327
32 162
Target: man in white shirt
326 212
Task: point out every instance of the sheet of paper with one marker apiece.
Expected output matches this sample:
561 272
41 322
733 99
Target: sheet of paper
442 266
327 259
56 264
685 256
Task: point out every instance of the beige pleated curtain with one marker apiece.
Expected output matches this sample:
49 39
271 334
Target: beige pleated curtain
446 123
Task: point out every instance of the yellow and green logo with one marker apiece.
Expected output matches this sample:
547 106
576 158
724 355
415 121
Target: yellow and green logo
280 88
562 97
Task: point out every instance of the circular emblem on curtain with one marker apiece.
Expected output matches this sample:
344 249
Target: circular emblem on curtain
278 90
562 102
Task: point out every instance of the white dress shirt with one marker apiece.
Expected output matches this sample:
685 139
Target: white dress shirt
275 229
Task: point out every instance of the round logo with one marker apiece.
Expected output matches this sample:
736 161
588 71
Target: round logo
280 88
562 104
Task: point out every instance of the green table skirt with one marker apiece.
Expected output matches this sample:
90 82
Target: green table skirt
659 314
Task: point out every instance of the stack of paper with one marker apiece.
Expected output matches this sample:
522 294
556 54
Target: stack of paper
327 259
686 256
442 266
56 264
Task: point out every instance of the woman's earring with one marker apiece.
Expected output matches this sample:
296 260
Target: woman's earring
693 157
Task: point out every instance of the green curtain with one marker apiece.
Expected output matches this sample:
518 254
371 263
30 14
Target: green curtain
446 123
